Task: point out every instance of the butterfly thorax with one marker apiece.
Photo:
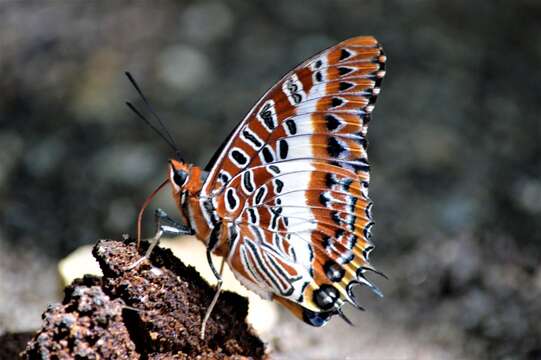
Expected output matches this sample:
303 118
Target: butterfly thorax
196 211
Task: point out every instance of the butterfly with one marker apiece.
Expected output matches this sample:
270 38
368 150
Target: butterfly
285 200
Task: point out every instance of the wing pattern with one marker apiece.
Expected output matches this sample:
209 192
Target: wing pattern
292 183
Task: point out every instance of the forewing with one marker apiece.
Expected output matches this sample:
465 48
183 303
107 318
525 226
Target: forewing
292 181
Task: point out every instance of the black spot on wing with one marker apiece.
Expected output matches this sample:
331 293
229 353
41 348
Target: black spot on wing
239 157
332 180
230 197
283 148
297 98
252 215
329 180
225 178
267 155
291 126
343 86
326 296
266 115
260 194
323 200
247 180
346 183
332 122
339 233
336 218
333 271
344 54
313 318
335 102
334 148
274 219
326 242
275 169
252 139
344 70
279 185
353 241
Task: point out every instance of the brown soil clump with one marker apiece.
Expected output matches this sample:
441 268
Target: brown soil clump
151 312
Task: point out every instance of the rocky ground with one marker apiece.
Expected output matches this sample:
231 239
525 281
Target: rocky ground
454 149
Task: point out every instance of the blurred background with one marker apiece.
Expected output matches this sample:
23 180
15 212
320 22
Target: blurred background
454 147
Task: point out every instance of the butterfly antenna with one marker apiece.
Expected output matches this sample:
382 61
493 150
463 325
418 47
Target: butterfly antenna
163 132
142 117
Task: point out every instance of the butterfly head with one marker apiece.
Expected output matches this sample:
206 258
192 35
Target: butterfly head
184 177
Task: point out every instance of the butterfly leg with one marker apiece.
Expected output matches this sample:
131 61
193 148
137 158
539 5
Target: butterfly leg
165 226
218 276
170 227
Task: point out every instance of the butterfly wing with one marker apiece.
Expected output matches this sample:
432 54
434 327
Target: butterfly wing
291 183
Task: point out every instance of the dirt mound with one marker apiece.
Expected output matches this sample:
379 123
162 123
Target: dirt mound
153 311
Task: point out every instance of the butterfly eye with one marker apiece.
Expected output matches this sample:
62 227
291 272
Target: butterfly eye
179 177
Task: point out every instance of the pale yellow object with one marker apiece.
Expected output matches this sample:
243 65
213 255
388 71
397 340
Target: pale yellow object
77 264
262 314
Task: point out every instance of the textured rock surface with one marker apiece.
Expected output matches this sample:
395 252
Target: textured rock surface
153 311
